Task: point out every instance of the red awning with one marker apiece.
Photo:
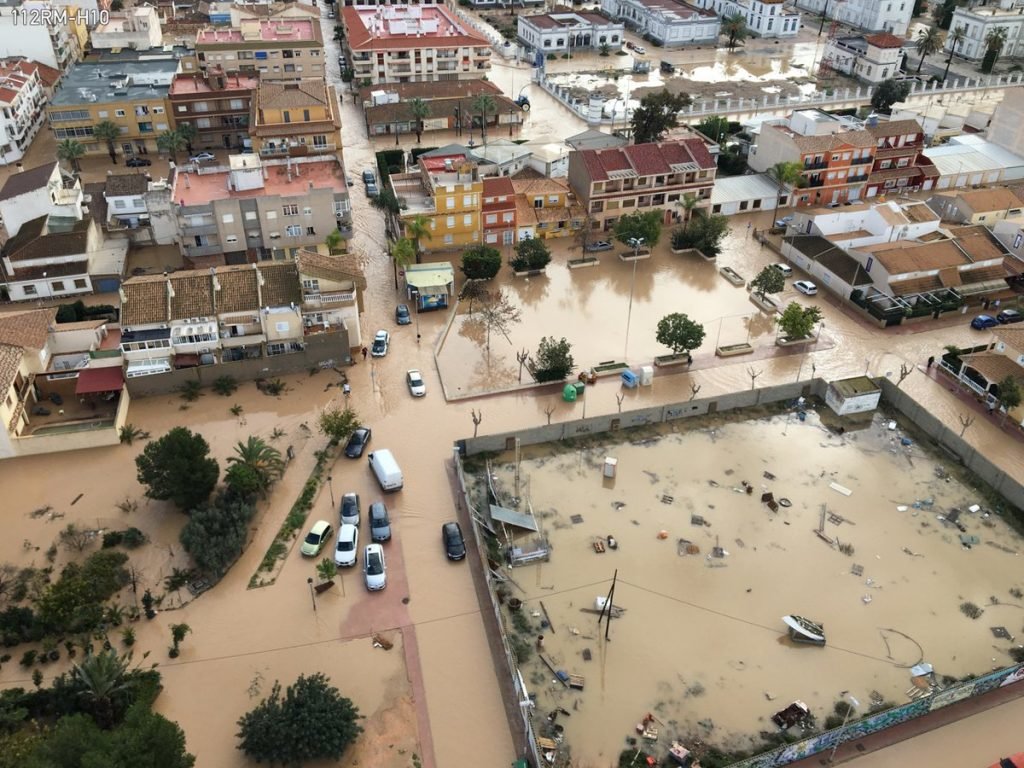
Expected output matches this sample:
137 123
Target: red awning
93 380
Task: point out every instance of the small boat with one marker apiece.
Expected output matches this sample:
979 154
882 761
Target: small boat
803 630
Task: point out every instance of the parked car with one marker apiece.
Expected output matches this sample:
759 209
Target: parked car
380 523
375 571
347 546
380 344
349 512
202 157
372 190
784 222
1009 316
454 544
316 538
806 286
785 269
402 315
599 245
138 162
636 48
357 442
981 322
369 177
415 381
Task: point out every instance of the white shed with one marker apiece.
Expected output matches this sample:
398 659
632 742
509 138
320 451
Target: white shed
741 194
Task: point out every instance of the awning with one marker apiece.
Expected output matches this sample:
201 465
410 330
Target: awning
432 282
93 380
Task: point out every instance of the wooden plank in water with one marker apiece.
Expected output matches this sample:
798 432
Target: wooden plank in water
576 681
554 671
551 624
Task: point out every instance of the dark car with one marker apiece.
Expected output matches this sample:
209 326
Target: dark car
138 162
380 523
402 316
357 443
454 544
981 322
369 177
1009 316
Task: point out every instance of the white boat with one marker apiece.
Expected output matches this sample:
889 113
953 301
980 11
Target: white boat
804 630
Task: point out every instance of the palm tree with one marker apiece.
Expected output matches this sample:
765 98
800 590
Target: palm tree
334 241
178 632
953 39
484 104
784 173
417 228
420 111
171 142
265 461
929 41
402 254
735 26
688 203
188 132
995 40
71 151
102 678
108 131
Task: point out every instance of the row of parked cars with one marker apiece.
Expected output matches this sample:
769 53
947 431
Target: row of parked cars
1006 317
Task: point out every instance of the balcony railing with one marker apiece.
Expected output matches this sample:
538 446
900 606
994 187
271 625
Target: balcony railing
856 179
887 152
816 183
861 161
816 166
313 149
335 297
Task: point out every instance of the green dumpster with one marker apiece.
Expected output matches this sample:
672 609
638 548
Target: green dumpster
580 386
569 393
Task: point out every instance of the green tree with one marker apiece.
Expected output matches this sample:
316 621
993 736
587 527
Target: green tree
784 174
388 202
74 603
679 333
995 41
953 39
553 361
714 127
107 131
420 111
484 104
148 739
178 633
402 255
481 262
188 133
688 202
104 684
178 467
642 226
334 241
71 151
798 322
735 27
1009 395
216 532
929 41
887 93
172 143
531 253
338 424
263 460
705 233
604 50
768 280
326 569
416 229
312 721
657 114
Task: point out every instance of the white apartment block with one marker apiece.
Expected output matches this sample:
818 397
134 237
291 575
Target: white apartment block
979 21
53 44
21 108
137 28
892 16
765 18
873 58
570 31
668 22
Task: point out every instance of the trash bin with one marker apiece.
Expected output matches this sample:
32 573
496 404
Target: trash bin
629 379
646 375
569 393
579 386
610 465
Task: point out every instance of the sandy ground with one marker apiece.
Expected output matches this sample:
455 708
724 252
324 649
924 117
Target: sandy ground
701 644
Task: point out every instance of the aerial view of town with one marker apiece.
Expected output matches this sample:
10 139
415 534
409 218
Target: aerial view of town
511 383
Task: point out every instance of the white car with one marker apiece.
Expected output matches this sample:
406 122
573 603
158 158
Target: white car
347 546
380 344
806 286
375 572
202 157
415 381
785 269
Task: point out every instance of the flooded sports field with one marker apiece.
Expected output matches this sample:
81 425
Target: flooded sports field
870 536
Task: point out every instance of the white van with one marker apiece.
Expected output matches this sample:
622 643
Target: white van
388 473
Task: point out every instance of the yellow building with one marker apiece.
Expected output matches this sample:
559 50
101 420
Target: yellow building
447 190
294 119
546 208
135 100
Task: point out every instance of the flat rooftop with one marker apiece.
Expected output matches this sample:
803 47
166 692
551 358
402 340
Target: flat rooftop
93 83
233 83
676 11
260 30
414 26
199 188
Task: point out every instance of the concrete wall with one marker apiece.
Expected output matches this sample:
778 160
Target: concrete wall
322 351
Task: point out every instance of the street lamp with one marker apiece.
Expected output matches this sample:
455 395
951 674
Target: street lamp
330 485
635 242
853 705
824 13
312 594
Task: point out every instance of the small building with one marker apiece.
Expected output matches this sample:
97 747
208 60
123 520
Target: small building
870 58
983 371
741 194
670 23
446 188
765 18
430 286
294 119
272 49
977 206
570 31
137 28
868 223
39 191
592 139
546 208
858 394
216 105
1007 126
898 164
970 160
332 294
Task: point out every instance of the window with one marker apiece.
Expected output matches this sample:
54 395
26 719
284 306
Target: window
201 106
58 285
119 203
448 239
290 210
250 215
467 200
145 127
310 231
236 104
30 290
202 122
449 203
538 202
450 222
228 218
158 110
320 141
492 218
103 114
552 199
506 217
271 215
281 327
287 114
74 115
183 108
307 211
467 219
80 283
293 230
231 239
118 113
288 67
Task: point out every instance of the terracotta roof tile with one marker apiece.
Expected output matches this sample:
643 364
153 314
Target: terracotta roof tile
341 268
994 199
885 40
906 257
192 295
34 242
281 285
303 93
27 329
978 243
994 366
144 301
1012 337
915 285
645 159
894 128
10 361
239 290
126 184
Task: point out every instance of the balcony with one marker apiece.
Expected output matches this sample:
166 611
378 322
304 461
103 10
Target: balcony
297 149
890 152
861 160
816 166
335 297
312 328
816 183
856 179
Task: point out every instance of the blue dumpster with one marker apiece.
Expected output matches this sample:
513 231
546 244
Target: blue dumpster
630 380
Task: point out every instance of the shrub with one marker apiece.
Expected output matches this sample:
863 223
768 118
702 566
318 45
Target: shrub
553 361
215 533
74 603
530 254
225 385
704 233
481 262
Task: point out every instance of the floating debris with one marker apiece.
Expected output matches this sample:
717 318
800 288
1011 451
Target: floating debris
576 519
840 489
784 502
697 520
617 505
713 483
1002 633
857 570
666 499
768 475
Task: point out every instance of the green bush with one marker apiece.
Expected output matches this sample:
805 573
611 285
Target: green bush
216 532
74 603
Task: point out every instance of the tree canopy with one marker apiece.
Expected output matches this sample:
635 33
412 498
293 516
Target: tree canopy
338 423
215 533
553 360
768 280
657 114
798 322
704 233
887 93
531 253
679 333
178 467
643 226
481 262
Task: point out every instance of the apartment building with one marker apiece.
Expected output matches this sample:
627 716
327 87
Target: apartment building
666 22
765 18
414 43
546 208
570 31
977 21
137 28
295 119
898 163
836 155
641 177
871 58
448 191
260 209
50 41
892 16
216 104
22 101
131 94
275 49
134 205
498 212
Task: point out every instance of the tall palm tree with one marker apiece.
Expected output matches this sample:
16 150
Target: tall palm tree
417 228
995 40
953 38
484 104
784 174
688 203
929 41
171 142
264 460
188 132
735 26
402 254
71 151
102 678
420 110
108 131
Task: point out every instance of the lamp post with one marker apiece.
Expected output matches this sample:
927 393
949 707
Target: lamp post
312 594
511 115
330 486
636 242
854 704
824 13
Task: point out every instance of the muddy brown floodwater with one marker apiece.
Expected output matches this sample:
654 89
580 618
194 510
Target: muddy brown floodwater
701 644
